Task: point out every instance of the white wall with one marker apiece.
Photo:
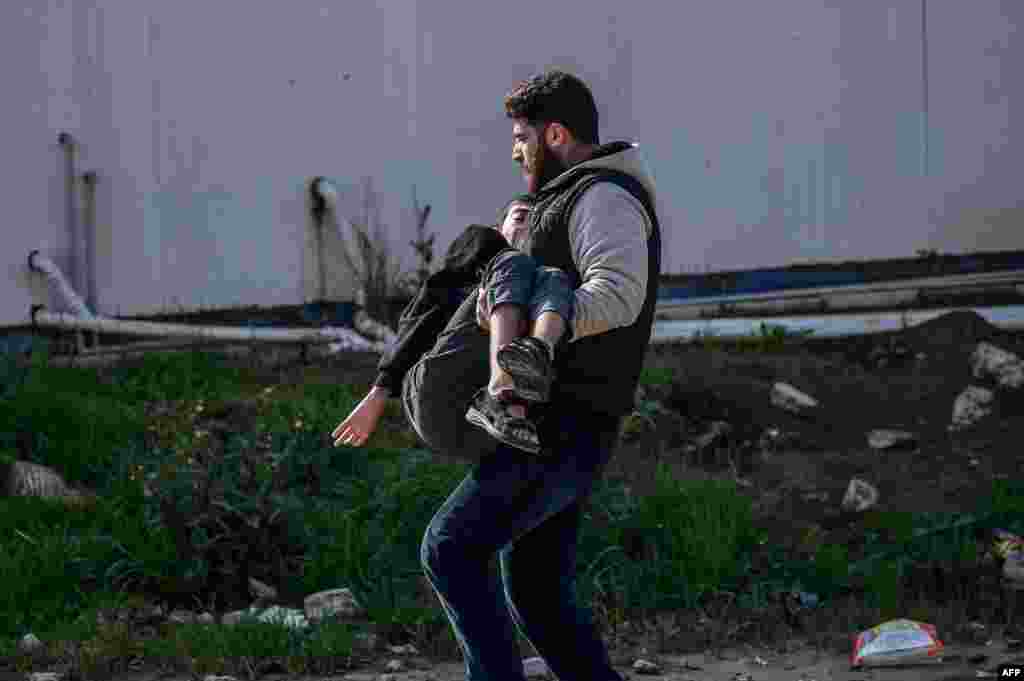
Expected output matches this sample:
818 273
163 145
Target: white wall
778 132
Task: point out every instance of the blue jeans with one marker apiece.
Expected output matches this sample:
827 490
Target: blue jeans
438 389
527 511
514 277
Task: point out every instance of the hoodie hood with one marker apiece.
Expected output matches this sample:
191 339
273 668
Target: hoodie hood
624 157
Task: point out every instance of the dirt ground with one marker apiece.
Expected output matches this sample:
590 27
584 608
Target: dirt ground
797 482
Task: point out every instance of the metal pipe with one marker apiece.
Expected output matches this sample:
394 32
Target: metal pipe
84 319
89 232
323 196
840 297
826 326
67 142
89 180
37 262
42 317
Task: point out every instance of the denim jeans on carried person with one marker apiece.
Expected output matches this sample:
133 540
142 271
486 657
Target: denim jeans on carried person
438 389
526 509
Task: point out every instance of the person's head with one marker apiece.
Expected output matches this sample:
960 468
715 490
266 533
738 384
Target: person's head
512 219
554 125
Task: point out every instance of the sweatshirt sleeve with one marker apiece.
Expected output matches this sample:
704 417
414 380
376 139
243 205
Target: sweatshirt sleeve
421 321
608 232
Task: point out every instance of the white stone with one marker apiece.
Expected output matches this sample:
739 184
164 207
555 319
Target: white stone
1006 367
407 649
205 618
787 397
289 617
45 676
330 603
395 666
1013 567
535 667
29 643
181 617
886 439
646 667
970 406
860 496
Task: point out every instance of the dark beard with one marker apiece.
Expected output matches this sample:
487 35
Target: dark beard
545 167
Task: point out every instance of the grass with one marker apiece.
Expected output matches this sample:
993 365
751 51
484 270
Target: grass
360 528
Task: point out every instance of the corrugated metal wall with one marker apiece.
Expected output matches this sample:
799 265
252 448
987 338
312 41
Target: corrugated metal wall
778 132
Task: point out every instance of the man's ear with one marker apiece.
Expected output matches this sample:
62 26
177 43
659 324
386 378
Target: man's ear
557 135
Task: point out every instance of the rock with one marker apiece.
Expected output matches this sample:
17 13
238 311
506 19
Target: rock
395 666
1005 367
45 676
29 643
789 398
890 439
181 617
205 618
971 406
31 479
214 677
368 641
230 619
535 667
289 617
332 603
1013 567
261 591
646 667
717 432
408 649
860 496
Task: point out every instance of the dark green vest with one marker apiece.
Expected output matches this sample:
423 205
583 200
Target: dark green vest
599 373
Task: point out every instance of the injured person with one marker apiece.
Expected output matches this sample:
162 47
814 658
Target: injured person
450 372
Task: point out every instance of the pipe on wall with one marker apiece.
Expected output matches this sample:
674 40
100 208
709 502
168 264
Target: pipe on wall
83 319
1010 317
89 180
37 262
70 146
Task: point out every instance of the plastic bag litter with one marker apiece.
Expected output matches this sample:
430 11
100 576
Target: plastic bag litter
1010 548
1007 543
896 642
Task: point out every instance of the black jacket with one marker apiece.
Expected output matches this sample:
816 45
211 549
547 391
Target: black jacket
598 373
436 301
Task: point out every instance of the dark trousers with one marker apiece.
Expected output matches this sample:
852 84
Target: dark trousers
525 509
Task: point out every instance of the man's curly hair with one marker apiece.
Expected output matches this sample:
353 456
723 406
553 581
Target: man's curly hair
556 97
